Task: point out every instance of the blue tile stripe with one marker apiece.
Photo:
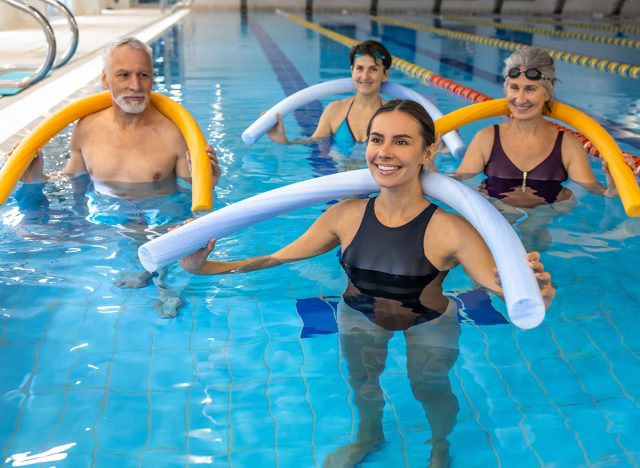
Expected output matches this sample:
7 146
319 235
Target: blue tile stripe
289 78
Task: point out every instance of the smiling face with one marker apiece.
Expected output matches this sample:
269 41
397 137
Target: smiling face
526 98
368 74
129 79
396 149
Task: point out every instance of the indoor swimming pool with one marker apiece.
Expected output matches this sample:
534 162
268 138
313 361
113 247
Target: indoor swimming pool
253 372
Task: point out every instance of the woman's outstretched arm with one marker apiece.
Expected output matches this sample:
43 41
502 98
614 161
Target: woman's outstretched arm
318 239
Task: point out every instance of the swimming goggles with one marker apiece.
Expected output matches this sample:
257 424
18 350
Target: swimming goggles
530 73
377 55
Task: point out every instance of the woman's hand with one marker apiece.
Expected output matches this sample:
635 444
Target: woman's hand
193 263
612 190
547 290
544 278
277 133
633 163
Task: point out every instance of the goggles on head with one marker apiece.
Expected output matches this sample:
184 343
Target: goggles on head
530 73
377 55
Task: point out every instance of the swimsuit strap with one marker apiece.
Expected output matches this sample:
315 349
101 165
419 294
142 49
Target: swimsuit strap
346 120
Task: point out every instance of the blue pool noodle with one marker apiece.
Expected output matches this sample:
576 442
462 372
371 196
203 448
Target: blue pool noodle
341 86
521 292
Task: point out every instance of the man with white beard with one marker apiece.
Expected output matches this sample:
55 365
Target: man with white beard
129 150
130 142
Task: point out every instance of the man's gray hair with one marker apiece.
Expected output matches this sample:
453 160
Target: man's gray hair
132 42
533 57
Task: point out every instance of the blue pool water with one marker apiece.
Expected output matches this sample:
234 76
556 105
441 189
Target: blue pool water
253 372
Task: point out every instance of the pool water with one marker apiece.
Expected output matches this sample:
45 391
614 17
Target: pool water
253 372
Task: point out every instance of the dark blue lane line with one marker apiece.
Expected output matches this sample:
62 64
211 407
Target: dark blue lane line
291 81
616 130
288 76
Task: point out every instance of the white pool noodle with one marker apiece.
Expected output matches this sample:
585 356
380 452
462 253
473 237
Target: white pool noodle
521 292
341 86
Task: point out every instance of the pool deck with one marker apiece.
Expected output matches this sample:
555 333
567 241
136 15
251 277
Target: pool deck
20 112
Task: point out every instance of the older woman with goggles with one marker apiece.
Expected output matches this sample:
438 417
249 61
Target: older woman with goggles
526 159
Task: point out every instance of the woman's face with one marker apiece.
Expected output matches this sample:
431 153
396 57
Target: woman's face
396 150
368 74
526 98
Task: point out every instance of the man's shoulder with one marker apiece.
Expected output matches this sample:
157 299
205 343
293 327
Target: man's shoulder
91 119
156 116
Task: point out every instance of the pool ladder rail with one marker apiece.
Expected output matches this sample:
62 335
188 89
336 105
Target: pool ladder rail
50 61
180 4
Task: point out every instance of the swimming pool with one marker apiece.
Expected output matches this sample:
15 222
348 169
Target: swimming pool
252 372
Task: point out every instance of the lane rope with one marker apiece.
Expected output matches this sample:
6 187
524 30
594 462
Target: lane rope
427 77
605 65
577 24
581 36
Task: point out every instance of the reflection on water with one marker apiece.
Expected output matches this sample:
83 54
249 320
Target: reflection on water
78 211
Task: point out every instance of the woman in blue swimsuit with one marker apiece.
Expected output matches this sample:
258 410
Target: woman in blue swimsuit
397 249
346 120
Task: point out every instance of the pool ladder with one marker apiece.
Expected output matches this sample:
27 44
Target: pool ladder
50 61
180 4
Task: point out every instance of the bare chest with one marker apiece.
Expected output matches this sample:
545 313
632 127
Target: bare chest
129 158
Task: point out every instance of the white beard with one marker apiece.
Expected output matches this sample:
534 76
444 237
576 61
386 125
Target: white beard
131 108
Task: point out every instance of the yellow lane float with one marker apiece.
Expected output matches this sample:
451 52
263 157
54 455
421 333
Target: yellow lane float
202 188
598 136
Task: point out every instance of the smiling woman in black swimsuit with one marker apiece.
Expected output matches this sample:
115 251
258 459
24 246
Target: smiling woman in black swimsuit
397 249
399 233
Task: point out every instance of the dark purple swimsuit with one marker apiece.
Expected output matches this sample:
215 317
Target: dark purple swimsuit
503 176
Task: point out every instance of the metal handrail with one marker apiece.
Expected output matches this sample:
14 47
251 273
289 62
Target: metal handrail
182 4
41 71
73 24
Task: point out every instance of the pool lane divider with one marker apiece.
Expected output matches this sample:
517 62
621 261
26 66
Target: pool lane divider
583 25
410 69
427 77
622 21
581 36
610 66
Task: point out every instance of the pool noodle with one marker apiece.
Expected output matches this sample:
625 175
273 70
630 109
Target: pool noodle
521 292
609 150
202 187
345 85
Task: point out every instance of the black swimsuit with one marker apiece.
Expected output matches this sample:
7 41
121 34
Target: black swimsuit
389 262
